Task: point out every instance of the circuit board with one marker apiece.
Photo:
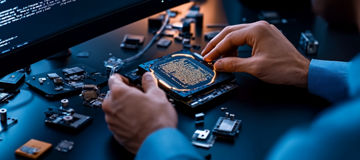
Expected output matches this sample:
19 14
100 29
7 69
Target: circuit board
186 78
62 82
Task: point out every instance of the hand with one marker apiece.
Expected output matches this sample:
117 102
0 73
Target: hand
132 114
274 59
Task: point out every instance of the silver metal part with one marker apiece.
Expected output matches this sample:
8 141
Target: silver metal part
3 115
202 134
64 102
232 116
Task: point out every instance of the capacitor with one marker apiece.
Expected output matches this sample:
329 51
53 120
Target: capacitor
64 102
3 116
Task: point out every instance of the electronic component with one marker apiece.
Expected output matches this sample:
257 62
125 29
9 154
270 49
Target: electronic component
164 43
63 82
113 64
12 81
73 71
156 22
179 39
64 102
199 116
227 127
3 116
6 96
177 25
42 80
186 78
33 149
199 18
66 118
199 119
196 47
6 122
53 75
210 35
90 92
169 33
186 27
223 109
65 146
308 43
203 138
92 97
132 41
186 41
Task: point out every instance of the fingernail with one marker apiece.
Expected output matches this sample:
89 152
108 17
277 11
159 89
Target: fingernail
206 59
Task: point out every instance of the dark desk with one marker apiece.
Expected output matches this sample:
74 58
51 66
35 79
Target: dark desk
267 111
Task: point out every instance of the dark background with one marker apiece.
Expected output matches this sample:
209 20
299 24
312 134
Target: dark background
267 111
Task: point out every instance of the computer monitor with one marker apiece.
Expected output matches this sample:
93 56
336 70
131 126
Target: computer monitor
35 29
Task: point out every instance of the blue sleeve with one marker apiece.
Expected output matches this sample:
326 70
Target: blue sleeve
166 144
329 79
334 135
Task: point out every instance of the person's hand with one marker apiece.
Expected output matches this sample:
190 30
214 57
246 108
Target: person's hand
274 59
132 114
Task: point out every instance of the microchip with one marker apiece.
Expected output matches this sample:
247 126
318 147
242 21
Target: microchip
227 125
53 75
65 146
164 43
132 41
186 78
183 73
73 71
29 150
33 149
12 81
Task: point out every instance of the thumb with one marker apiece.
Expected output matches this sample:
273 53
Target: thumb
148 81
233 64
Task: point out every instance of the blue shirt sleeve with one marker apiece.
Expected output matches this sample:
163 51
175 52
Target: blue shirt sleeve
166 144
329 79
334 135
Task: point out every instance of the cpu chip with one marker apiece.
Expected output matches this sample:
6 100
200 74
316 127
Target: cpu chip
183 73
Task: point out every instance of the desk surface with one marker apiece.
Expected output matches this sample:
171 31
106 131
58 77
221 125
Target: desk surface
267 111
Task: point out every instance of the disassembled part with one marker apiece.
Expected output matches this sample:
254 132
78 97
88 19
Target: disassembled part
33 149
203 138
65 146
66 118
132 41
308 43
227 127
6 122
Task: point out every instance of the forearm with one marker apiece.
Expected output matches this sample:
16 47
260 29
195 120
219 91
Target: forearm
165 144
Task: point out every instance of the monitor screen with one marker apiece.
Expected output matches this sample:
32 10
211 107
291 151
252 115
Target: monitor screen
42 27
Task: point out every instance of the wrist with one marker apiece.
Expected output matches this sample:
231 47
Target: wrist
304 71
